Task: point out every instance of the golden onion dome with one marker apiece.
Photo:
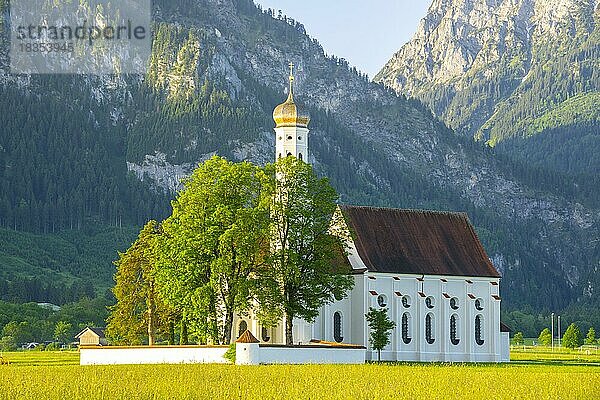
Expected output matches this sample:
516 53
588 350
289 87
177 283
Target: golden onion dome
289 113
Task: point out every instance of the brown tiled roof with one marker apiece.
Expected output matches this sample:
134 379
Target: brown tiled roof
417 242
247 337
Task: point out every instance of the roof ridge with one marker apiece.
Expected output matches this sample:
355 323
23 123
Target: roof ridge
412 210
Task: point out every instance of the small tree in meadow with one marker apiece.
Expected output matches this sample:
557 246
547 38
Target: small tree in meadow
518 339
545 338
381 327
591 337
573 337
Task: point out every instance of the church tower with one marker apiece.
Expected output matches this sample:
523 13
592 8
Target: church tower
291 127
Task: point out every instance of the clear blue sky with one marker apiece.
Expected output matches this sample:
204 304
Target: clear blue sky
364 32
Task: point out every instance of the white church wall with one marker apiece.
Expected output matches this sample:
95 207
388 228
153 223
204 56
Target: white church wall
153 355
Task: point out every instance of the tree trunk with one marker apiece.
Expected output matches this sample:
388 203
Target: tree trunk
151 331
171 333
184 333
378 355
227 328
289 324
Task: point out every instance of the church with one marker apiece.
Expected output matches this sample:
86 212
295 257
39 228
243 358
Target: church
428 268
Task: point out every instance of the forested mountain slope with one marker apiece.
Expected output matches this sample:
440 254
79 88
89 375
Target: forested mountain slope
113 148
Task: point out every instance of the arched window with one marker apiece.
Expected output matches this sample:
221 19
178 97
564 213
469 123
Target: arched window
279 155
265 334
289 154
454 339
300 156
405 301
454 303
405 327
337 327
243 327
429 337
289 137
429 302
478 330
382 300
299 137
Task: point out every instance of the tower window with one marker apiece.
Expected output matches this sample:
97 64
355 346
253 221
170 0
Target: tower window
429 337
299 137
300 156
453 330
337 327
405 321
243 327
289 138
289 154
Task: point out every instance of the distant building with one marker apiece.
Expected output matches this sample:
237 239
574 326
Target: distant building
92 337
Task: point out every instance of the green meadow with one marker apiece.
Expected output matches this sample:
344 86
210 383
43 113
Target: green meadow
533 375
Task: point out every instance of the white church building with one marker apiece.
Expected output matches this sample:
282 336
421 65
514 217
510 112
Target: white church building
428 268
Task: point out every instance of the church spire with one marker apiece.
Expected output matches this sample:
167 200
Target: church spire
291 78
291 125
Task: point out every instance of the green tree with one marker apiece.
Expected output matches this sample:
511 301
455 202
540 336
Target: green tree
62 331
19 331
591 337
572 337
139 312
381 327
215 241
8 343
304 247
545 338
518 339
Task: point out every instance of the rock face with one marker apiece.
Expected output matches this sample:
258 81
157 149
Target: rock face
377 148
496 68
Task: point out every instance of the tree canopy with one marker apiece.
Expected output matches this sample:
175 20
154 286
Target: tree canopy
214 244
305 249
381 327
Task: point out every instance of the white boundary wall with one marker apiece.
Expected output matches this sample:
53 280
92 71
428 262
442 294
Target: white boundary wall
152 355
246 354
311 355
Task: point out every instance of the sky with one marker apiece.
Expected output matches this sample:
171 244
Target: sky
365 32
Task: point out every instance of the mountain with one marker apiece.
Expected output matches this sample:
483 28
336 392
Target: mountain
521 74
110 149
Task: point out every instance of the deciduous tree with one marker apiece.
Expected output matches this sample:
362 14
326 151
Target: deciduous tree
572 337
139 312
545 338
381 327
304 247
518 339
214 243
591 337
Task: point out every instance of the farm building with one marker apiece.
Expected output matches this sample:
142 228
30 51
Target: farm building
92 337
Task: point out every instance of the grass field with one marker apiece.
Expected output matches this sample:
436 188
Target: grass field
41 375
